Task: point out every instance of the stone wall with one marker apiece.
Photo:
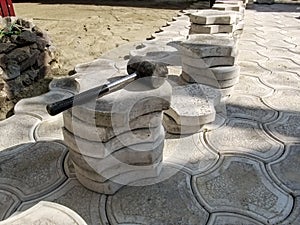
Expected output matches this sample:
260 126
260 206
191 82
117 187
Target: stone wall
25 57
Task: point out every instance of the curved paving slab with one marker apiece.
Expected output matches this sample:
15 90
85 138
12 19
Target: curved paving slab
32 170
9 203
252 86
16 130
50 129
253 69
286 169
294 217
46 213
232 219
189 152
284 100
276 64
242 185
168 202
281 79
77 198
36 106
231 139
249 107
285 128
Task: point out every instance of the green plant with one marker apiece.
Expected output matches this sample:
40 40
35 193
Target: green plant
11 29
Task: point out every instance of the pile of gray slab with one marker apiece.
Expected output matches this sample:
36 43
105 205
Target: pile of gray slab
119 138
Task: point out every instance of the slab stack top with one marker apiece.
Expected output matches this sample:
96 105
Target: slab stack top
208 45
210 17
118 108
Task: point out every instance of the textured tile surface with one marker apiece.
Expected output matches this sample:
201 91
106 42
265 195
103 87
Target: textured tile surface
231 138
167 202
243 186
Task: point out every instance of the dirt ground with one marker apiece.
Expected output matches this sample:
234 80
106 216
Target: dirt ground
81 32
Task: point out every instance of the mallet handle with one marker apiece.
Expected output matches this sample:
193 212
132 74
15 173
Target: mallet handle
86 96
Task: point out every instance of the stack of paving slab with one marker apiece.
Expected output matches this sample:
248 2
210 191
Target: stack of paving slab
230 6
192 107
214 21
210 59
119 138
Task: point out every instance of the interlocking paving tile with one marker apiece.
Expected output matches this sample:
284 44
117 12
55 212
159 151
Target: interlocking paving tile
16 130
91 132
50 129
253 69
46 213
64 84
281 79
36 106
286 127
242 185
76 197
251 55
279 43
213 17
126 104
170 201
286 169
232 219
250 45
294 217
33 170
252 86
284 100
211 29
280 64
191 106
280 53
9 203
231 138
207 45
94 66
189 152
248 107
158 52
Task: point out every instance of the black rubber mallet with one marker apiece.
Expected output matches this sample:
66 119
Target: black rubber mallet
135 68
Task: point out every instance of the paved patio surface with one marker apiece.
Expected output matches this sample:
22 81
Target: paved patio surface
244 170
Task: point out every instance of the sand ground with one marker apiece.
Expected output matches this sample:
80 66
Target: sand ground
82 32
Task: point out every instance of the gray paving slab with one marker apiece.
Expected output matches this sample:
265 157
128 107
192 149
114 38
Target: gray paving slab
284 100
9 203
50 129
46 213
230 139
71 195
249 107
281 79
188 152
220 190
252 86
226 218
167 202
285 128
36 106
285 170
251 55
17 130
253 69
32 170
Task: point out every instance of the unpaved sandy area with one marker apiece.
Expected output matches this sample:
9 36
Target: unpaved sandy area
82 32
